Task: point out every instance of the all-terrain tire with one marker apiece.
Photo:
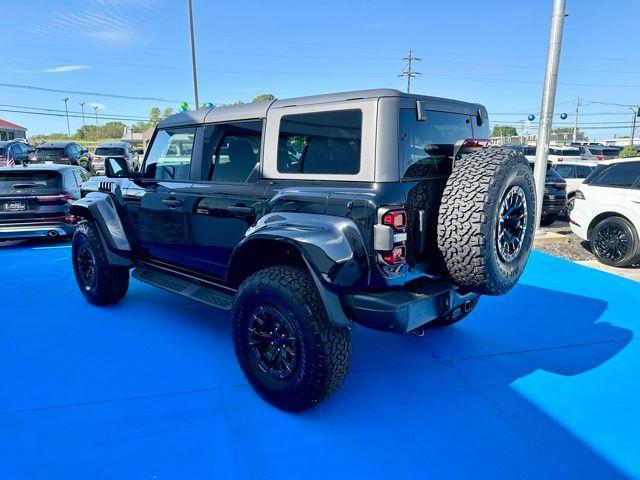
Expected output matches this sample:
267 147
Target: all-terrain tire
469 218
322 350
618 226
109 284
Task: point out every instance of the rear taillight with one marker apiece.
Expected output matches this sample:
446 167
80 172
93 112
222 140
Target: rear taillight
473 142
396 219
53 198
600 157
390 236
71 219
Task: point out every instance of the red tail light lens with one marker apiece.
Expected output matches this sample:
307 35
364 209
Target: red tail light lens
395 256
472 142
53 198
396 219
600 157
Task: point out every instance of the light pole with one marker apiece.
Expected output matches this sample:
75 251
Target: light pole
82 108
193 56
548 100
575 125
65 100
636 114
95 111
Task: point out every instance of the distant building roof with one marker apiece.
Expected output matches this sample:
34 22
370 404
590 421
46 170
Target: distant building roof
12 126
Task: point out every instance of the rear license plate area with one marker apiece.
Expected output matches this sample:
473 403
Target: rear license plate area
15 206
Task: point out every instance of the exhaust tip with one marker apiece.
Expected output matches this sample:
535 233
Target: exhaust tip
52 234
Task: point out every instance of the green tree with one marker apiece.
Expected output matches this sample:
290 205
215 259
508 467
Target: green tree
504 131
629 151
167 112
263 97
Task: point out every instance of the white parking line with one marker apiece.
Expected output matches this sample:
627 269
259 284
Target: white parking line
49 248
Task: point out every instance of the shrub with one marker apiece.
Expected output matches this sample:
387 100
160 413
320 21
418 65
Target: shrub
629 151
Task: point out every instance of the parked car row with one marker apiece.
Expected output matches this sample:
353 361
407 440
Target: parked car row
69 153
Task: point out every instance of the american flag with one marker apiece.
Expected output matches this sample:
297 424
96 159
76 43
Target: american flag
10 161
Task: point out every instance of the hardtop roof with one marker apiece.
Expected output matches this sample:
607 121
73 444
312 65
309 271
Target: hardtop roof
259 110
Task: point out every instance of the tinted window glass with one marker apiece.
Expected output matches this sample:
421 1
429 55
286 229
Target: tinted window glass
234 150
323 142
30 179
617 175
170 154
583 171
565 171
426 147
50 152
106 151
2 151
610 152
565 152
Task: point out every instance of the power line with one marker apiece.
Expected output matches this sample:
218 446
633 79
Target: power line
59 114
96 94
409 73
103 115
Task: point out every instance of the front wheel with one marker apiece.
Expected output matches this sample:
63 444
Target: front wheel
287 348
100 282
614 241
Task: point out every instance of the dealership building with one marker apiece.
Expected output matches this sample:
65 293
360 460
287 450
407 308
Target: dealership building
9 131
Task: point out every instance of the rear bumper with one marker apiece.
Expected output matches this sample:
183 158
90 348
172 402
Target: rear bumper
554 206
403 310
35 230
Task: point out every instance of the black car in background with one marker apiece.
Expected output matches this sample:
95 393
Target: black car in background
66 153
117 150
18 150
554 203
35 199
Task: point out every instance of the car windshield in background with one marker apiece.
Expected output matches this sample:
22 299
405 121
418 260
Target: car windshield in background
106 151
29 179
49 152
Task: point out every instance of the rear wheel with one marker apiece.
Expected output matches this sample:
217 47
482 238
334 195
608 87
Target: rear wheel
100 282
290 352
486 220
614 241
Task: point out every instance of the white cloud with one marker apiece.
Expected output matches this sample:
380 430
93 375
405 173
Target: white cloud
66 68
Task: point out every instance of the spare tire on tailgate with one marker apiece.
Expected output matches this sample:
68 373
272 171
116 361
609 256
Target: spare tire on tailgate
486 220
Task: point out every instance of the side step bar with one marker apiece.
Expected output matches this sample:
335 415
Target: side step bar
181 286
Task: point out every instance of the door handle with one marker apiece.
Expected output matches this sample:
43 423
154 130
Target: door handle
240 209
172 202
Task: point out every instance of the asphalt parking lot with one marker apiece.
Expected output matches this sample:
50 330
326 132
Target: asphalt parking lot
539 383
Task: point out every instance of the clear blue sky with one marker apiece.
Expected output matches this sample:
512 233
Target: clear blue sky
491 52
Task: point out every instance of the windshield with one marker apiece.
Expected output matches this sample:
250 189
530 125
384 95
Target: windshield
49 152
109 151
29 179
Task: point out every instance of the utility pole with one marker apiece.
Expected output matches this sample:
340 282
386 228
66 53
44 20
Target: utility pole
193 56
548 100
82 108
636 114
575 125
95 111
409 73
65 100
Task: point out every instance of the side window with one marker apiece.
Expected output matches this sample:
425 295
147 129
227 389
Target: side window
426 147
79 176
322 142
583 171
233 150
170 154
565 171
621 175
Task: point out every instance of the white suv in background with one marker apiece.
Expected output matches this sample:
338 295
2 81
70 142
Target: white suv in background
574 172
607 212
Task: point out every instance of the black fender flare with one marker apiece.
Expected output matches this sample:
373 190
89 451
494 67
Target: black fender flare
332 248
101 208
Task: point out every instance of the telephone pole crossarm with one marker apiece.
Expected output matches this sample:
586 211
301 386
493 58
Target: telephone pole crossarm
409 72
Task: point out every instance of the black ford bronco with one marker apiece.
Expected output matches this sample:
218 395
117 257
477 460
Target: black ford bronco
304 216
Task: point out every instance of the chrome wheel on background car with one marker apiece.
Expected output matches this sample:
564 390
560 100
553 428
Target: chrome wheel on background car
512 224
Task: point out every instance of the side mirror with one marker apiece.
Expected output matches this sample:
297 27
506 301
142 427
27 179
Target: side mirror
116 168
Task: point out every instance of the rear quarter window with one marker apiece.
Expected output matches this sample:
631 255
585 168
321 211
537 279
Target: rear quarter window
426 147
618 175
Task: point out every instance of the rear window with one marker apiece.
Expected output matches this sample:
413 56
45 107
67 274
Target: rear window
565 152
49 152
610 152
426 147
323 142
106 151
29 179
2 151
